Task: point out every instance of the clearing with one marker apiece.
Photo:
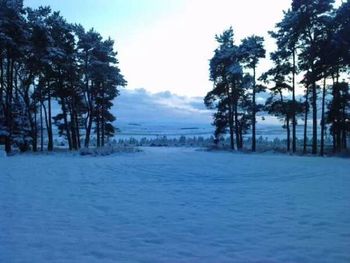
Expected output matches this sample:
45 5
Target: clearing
174 205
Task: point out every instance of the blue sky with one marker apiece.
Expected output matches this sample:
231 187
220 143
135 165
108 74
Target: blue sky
107 16
166 44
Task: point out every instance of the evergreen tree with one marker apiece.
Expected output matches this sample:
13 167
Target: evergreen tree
228 95
43 58
13 37
278 104
311 21
251 51
287 37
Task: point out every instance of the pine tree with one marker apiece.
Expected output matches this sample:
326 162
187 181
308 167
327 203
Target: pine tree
228 94
311 16
278 104
13 42
251 51
287 37
41 62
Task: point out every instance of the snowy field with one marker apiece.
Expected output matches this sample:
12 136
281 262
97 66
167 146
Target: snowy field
174 205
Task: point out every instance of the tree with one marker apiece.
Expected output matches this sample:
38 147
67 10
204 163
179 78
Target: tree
277 104
311 17
228 96
37 71
41 61
251 50
287 37
107 78
339 115
338 61
221 95
13 37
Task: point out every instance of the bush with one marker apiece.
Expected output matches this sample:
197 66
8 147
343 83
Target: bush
107 150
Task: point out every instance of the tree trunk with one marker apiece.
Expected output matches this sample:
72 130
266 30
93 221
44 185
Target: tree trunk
237 126
16 83
323 121
103 119
35 130
334 138
31 118
345 140
88 131
288 134
66 126
314 118
9 100
337 113
294 147
230 117
2 89
240 136
77 130
343 130
1 82
46 116
305 119
49 128
90 117
98 129
72 125
41 127
254 113
232 142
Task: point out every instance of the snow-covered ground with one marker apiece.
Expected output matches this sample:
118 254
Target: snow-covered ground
174 205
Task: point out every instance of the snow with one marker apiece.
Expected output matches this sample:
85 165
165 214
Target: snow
174 205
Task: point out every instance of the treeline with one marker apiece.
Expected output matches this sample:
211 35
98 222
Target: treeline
45 60
313 54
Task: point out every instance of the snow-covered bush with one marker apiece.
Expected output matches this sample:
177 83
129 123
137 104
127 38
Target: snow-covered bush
108 150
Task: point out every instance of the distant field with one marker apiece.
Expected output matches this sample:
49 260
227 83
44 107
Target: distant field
140 130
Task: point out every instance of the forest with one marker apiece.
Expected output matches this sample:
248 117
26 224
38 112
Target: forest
45 60
312 55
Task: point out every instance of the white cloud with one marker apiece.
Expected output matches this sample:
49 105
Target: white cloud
141 106
173 54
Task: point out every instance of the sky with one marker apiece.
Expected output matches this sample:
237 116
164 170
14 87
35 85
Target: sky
166 45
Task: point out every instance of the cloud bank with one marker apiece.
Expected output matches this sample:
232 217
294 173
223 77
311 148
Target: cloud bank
143 107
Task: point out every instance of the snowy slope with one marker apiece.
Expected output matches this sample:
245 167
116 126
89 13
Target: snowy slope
174 205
